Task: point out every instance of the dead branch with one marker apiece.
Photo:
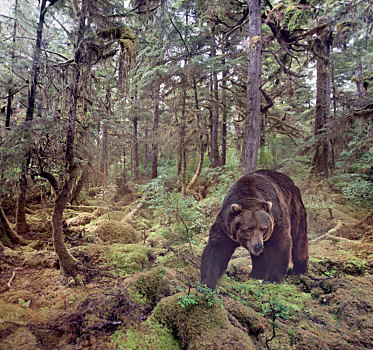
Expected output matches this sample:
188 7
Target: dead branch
11 278
134 211
328 233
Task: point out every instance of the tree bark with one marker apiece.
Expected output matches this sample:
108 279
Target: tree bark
146 146
21 224
154 154
79 186
215 108
251 140
10 90
361 95
202 144
104 145
104 152
225 112
22 228
36 63
181 134
135 141
8 237
68 264
322 51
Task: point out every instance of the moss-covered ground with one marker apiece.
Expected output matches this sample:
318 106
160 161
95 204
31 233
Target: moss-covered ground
139 290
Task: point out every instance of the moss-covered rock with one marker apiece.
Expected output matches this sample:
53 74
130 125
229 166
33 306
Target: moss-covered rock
148 335
21 339
116 231
126 259
239 269
81 219
201 326
254 322
151 286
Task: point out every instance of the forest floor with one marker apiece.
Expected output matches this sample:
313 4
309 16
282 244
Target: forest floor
139 288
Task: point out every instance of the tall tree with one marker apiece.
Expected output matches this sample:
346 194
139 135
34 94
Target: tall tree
154 154
21 223
251 139
322 51
215 105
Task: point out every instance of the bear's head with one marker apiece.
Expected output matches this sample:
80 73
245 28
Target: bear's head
250 223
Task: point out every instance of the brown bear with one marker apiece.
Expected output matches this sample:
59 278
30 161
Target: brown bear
263 212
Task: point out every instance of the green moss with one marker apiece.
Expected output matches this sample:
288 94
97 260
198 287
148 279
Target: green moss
258 295
126 258
149 335
151 286
201 326
116 231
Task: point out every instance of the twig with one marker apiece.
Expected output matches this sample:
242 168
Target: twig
11 278
343 306
190 244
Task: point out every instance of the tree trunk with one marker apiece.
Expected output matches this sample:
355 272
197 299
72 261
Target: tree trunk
135 147
361 95
104 152
135 141
104 145
202 144
8 237
181 134
251 140
10 90
36 63
146 146
155 135
21 225
68 264
225 113
22 228
79 186
322 51
215 108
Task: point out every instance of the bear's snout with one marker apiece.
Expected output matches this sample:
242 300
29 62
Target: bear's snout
258 248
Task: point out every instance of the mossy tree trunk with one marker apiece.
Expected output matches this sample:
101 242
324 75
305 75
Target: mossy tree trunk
135 141
13 55
322 52
79 186
8 237
251 140
68 264
202 143
22 227
215 108
154 153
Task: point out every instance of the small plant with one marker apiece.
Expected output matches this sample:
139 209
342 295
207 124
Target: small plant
24 303
188 299
202 291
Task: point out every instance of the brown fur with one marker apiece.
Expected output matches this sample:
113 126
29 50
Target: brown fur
264 213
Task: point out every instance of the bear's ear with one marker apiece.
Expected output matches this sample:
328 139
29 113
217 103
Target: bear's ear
268 206
236 208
